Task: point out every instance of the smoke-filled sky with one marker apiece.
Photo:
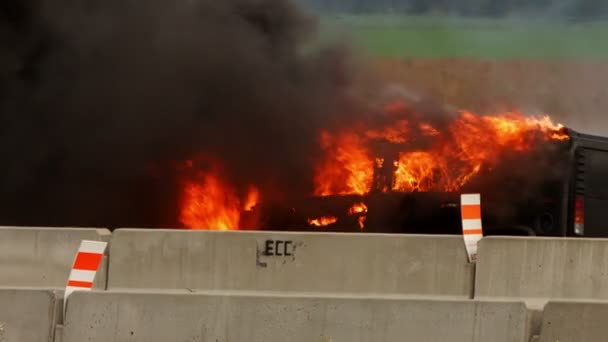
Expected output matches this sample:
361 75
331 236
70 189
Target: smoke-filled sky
100 100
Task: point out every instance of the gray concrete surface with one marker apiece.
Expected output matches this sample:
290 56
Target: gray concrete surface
316 262
27 315
149 317
567 321
43 257
542 268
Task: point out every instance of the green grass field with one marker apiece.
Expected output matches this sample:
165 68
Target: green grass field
440 37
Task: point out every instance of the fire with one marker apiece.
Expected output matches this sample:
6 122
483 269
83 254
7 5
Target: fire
347 169
427 129
252 199
428 159
209 203
362 221
419 171
359 208
400 152
323 221
397 133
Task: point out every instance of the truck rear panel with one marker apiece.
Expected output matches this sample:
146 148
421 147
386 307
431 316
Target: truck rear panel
588 195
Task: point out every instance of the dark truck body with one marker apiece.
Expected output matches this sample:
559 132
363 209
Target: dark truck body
588 179
572 171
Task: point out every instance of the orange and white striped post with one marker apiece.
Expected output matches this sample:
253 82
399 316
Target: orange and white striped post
472 231
85 266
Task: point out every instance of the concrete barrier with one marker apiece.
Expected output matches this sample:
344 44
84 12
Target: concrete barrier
304 262
27 315
149 317
43 257
542 268
567 321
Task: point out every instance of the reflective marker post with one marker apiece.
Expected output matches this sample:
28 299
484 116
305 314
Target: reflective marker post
472 231
85 266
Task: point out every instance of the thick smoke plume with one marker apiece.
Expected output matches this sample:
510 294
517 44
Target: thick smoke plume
100 100
103 102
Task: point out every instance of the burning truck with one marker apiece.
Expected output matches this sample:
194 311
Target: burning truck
403 173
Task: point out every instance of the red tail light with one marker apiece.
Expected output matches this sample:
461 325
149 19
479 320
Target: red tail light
579 215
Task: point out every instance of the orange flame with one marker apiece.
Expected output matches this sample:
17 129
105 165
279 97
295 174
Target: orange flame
359 208
417 171
209 204
458 152
428 130
362 221
252 199
396 133
411 154
322 221
347 169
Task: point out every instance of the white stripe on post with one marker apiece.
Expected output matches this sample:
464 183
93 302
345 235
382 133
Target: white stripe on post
470 199
97 247
471 224
82 275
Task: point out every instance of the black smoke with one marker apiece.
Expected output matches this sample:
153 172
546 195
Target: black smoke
101 99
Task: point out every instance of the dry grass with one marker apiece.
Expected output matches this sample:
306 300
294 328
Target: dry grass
574 93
